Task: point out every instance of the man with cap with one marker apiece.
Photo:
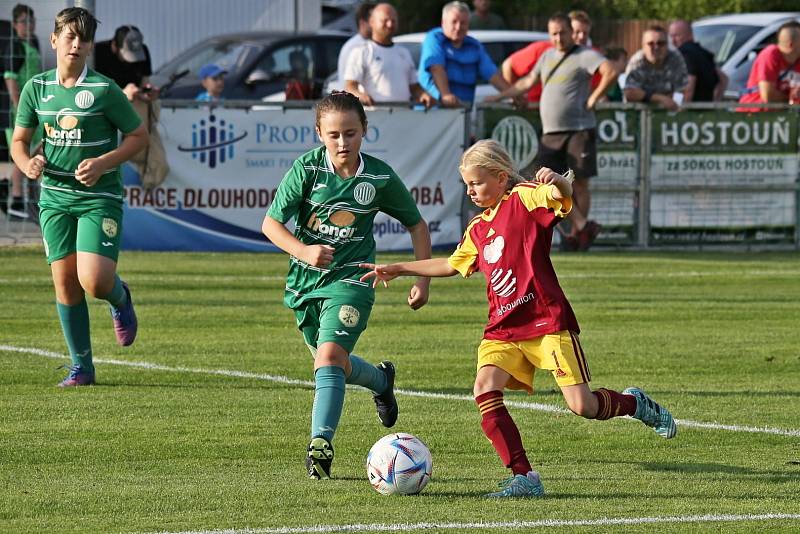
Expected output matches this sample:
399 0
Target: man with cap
126 60
212 78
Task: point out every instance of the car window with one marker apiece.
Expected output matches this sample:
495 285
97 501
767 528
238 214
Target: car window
228 55
330 51
723 40
292 61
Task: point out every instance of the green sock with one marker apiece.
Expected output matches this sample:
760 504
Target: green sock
365 374
117 298
328 401
75 324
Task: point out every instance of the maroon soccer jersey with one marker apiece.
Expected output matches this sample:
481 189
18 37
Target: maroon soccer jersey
510 245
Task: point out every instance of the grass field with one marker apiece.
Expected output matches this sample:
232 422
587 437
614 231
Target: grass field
202 423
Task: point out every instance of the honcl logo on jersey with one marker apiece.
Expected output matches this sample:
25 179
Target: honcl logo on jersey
84 99
66 133
337 224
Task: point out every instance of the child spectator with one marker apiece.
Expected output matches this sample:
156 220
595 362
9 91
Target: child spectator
212 78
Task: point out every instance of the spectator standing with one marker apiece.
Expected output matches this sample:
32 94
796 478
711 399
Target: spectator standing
655 73
126 60
568 121
21 61
707 82
451 63
212 78
776 70
385 71
521 62
361 37
483 18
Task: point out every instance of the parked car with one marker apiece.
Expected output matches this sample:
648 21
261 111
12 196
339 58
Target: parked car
498 43
736 40
259 64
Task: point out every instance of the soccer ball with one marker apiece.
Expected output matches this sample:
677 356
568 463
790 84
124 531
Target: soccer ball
399 464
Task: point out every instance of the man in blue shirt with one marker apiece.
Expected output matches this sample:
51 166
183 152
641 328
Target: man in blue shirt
451 64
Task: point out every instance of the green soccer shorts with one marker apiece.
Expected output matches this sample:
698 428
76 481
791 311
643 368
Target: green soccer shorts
91 225
339 319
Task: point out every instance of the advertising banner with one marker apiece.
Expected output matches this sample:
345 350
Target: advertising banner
226 164
723 176
614 189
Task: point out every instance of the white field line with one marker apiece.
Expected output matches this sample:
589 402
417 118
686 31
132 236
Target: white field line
408 392
542 523
206 278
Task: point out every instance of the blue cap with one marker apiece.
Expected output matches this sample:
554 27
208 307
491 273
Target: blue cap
210 70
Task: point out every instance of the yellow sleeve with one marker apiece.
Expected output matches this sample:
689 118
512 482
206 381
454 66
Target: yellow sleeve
465 258
541 196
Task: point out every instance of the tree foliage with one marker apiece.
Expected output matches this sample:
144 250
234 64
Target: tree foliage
422 15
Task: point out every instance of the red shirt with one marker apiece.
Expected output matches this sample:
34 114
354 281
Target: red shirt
510 245
769 66
523 61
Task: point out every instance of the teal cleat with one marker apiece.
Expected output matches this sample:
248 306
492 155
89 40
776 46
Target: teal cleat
520 486
319 458
652 414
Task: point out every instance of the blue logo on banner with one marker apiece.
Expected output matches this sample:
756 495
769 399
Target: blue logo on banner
212 141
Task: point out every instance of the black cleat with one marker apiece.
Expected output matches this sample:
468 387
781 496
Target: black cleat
319 458
386 403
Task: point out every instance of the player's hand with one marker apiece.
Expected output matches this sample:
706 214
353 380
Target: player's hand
491 99
380 273
546 176
317 255
590 103
89 171
35 167
418 296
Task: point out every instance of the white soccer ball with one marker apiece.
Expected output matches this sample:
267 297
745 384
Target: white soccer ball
399 464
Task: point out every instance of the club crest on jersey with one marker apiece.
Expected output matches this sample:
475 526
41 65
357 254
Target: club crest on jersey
349 316
109 227
84 99
494 250
337 226
364 193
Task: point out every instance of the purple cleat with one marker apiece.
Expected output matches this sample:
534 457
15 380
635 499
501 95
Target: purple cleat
125 323
77 377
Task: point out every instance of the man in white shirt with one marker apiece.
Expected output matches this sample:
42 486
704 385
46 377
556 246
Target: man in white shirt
381 71
362 36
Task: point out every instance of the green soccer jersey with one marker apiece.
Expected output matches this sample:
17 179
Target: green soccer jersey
78 123
330 210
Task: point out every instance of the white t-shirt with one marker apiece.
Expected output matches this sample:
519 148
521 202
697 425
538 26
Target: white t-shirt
344 53
385 72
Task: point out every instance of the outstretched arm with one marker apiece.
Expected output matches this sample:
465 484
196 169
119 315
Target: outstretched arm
435 267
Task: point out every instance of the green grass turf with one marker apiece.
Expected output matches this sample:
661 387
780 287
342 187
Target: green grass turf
714 337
